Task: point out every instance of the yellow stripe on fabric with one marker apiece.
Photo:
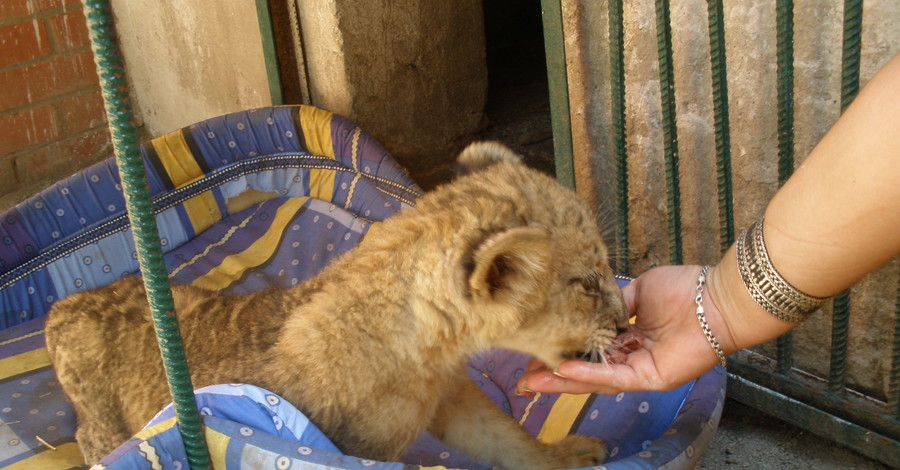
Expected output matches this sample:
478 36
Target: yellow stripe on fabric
316 125
321 184
373 227
182 168
561 418
217 443
233 266
157 428
25 362
67 455
211 247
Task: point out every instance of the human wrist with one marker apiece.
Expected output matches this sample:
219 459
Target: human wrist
738 321
701 317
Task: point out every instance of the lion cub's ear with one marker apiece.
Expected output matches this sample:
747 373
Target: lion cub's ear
480 155
511 265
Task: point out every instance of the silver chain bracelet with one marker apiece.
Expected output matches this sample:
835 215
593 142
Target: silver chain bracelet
701 317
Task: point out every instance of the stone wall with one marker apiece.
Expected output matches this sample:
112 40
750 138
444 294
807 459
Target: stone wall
751 44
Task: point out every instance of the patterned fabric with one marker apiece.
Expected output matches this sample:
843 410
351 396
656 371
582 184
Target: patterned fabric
260 198
75 236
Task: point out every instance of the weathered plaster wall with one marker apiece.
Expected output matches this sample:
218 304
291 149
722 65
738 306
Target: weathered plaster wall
751 48
189 61
411 73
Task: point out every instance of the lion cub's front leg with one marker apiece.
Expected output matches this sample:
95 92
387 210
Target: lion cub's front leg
468 421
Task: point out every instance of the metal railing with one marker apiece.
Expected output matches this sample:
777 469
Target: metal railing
823 405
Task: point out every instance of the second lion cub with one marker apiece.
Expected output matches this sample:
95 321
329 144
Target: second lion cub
373 349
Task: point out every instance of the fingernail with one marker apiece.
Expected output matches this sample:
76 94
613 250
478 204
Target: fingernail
522 390
556 373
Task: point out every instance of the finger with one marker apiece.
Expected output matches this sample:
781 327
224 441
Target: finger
547 382
615 376
578 377
535 364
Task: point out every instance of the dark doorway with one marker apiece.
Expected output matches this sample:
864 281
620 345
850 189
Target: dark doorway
518 106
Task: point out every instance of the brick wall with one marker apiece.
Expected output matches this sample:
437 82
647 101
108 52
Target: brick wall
51 112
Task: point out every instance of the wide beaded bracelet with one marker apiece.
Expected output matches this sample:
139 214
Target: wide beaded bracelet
766 286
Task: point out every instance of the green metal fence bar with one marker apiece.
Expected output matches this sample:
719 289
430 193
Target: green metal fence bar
555 51
720 110
849 88
799 411
852 50
670 129
853 407
617 109
267 35
784 26
840 332
894 385
143 224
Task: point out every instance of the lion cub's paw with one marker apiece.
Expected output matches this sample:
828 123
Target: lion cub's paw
580 451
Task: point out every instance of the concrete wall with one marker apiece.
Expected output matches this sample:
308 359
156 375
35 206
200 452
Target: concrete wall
189 61
751 43
413 74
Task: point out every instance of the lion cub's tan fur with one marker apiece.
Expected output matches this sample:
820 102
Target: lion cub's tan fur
374 348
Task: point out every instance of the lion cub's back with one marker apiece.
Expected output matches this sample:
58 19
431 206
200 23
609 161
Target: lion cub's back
91 335
106 314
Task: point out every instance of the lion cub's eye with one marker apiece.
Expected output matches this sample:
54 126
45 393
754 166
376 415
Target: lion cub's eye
590 283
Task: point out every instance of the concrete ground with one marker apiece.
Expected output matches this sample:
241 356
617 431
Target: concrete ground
750 439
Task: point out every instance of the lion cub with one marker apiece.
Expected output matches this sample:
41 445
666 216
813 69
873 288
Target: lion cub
374 348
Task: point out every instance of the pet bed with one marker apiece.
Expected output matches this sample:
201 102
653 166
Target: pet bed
260 198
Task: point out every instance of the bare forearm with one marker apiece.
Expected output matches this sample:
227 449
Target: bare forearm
836 219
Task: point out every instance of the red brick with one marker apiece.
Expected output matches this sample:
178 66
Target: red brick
58 76
84 72
92 146
70 30
28 128
61 159
42 165
25 85
18 8
82 112
23 42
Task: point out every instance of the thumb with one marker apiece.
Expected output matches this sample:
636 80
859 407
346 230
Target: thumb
629 294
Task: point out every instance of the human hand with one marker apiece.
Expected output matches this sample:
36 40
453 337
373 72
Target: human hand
674 349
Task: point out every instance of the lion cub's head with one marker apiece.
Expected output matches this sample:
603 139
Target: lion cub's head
527 257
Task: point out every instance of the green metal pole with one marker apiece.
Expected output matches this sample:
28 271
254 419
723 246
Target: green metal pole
557 80
119 113
617 100
719 71
784 18
840 327
267 35
670 128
